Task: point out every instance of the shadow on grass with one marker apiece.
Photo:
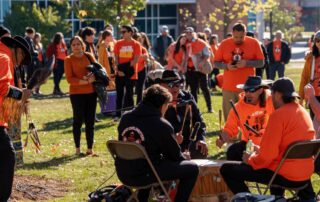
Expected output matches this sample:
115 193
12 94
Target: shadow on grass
51 163
98 126
49 96
57 125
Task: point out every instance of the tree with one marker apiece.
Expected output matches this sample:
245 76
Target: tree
285 17
46 21
117 12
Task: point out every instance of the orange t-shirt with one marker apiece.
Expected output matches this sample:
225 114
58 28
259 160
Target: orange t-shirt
288 124
250 49
126 51
75 69
277 50
61 51
141 60
254 115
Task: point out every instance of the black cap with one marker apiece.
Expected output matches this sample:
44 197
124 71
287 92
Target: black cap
170 77
254 82
285 86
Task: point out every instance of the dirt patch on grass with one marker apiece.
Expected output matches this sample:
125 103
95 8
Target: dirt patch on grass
26 188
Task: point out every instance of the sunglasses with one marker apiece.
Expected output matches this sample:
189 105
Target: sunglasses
251 90
123 31
172 85
317 41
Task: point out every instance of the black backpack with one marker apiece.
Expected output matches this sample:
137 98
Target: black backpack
110 193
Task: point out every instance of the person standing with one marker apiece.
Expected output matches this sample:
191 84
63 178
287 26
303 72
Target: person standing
146 126
311 71
82 95
198 53
13 53
279 55
29 36
162 43
238 56
58 48
127 52
87 35
289 123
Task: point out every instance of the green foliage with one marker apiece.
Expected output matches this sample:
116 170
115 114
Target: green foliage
46 21
117 12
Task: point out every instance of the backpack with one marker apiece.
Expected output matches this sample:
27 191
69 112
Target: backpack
110 193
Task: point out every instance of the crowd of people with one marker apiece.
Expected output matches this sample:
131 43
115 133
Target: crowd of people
167 78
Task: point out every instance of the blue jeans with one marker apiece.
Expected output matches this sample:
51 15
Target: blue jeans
276 67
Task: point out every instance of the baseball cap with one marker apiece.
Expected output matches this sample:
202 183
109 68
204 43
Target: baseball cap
285 86
189 29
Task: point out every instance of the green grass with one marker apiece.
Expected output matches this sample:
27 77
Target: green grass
53 118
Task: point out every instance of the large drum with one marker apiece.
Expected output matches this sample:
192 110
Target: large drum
210 186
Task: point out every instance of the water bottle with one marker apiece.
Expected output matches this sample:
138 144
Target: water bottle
249 147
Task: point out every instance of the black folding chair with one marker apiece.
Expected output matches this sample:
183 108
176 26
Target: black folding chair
297 150
134 151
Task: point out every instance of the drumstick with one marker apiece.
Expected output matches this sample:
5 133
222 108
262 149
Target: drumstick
248 127
220 119
185 116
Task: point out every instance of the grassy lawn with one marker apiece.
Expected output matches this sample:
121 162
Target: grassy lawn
53 118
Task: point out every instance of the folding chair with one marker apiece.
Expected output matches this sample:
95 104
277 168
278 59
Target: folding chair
297 150
133 151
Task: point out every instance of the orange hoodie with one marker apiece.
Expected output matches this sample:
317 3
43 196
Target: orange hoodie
288 124
254 115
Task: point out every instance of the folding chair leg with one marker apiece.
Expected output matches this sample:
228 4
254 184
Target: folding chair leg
134 195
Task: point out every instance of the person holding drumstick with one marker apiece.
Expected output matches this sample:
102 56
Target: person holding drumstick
185 117
289 123
252 111
145 125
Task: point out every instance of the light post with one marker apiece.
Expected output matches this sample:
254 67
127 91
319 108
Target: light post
270 16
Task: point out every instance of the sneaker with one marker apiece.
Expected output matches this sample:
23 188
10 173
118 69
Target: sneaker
97 120
210 111
116 119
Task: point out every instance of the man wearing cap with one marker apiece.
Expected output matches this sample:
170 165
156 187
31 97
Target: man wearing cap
161 44
198 52
289 123
15 54
279 54
238 56
185 117
253 108
145 125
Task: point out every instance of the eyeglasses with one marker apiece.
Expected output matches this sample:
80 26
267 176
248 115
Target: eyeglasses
317 40
251 90
172 85
123 31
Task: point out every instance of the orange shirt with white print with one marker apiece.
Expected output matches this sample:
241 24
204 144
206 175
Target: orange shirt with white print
250 49
277 50
141 61
75 70
126 51
62 51
288 124
254 115
194 47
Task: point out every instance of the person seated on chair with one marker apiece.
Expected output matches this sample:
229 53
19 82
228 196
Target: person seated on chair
254 108
185 117
145 125
309 94
289 123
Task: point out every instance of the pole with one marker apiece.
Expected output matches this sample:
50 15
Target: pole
270 25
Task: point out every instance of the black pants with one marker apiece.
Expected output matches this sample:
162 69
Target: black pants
140 84
84 110
58 73
195 78
212 82
235 176
7 161
185 171
236 150
124 88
